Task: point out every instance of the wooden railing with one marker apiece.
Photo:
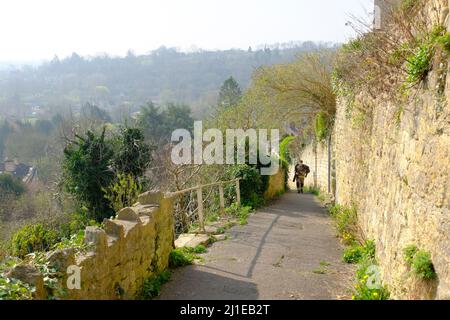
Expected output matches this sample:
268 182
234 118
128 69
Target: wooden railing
190 203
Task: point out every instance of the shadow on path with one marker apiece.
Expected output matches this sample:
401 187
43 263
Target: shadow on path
273 257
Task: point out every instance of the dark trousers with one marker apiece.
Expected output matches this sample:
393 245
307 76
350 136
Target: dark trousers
300 183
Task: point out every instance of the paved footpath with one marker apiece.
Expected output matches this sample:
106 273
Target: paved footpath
288 251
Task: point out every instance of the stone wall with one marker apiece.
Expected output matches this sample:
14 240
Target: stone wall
127 250
397 173
276 186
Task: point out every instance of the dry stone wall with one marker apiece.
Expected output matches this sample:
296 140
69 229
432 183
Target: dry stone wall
276 185
127 250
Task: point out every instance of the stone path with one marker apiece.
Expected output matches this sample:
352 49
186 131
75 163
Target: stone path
287 251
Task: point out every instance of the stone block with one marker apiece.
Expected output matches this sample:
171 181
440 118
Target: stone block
150 197
97 237
128 214
114 229
191 240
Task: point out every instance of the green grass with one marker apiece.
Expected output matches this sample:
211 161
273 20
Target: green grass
356 253
312 190
241 213
319 271
181 257
200 249
152 286
185 256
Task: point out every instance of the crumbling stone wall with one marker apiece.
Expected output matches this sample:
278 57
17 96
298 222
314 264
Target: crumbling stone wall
128 249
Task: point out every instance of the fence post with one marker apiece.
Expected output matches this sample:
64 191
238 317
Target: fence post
238 193
200 209
222 200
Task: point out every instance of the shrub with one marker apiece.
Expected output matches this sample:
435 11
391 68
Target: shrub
409 4
33 238
252 184
423 266
123 192
152 286
87 172
10 184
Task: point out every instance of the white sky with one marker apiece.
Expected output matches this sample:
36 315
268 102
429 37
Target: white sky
39 29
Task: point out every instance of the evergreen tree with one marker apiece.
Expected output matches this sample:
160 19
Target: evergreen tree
230 93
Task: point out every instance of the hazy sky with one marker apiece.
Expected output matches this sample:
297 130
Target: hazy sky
39 29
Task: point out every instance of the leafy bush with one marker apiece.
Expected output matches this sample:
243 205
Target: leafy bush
123 192
423 266
419 64
152 286
10 184
132 155
252 184
87 173
33 238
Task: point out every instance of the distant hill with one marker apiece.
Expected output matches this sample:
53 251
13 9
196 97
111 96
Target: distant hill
110 82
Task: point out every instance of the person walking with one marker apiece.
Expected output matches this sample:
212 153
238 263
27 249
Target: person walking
301 172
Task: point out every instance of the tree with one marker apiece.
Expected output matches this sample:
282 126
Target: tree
177 117
93 112
87 172
230 93
11 185
159 125
133 155
151 121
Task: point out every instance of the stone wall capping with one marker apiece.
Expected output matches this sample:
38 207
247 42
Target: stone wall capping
150 197
129 214
113 228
